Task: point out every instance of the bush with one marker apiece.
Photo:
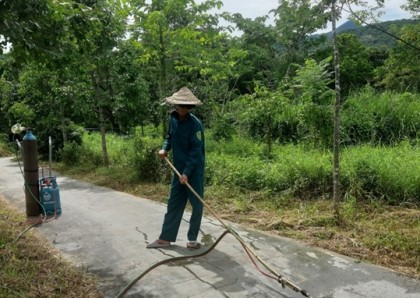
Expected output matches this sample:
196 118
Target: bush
74 135
223 129
71 154
145 160
6 148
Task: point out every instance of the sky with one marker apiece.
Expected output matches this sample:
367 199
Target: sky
252 9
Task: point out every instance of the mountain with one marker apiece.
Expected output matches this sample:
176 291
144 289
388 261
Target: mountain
349 25
372 37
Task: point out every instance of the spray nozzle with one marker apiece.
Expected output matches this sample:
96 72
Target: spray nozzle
17 128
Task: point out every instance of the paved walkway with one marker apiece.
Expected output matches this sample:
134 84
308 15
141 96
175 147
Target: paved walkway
106 232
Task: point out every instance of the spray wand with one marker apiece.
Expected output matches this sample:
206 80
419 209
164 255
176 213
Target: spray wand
282 280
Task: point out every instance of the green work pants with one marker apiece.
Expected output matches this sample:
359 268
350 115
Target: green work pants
177 201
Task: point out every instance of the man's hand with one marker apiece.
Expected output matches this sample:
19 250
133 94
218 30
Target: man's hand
162 153
183 179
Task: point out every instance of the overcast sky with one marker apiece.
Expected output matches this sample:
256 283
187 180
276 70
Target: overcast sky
252 9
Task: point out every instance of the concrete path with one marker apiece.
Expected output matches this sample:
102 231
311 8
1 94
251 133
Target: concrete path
105 232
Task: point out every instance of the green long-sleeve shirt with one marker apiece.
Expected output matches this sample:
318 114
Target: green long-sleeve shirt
186 139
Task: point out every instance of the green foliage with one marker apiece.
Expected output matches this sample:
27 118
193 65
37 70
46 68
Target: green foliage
21 113
74 135
294 22
261 64
355 67
314 98
367 172
5 146
145 161
385 118
91 70
382 173
289 172
71 154
401 71
134 157
261 114
301 112
30 25
222 129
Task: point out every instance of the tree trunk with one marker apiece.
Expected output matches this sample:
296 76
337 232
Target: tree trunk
105 156
162 79
95 82
269 137
336 141
63 124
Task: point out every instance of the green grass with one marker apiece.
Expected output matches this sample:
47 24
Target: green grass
390 173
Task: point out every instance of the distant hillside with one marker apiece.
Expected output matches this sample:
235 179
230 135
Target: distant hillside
372 37
349 25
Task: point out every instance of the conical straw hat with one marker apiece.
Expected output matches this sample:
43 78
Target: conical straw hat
183 97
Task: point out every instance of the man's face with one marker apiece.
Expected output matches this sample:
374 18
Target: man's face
183 110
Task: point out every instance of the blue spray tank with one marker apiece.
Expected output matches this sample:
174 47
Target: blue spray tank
49 192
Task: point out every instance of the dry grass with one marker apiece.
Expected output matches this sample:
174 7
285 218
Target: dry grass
29 267
383 235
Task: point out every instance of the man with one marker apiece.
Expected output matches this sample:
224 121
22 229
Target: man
186 139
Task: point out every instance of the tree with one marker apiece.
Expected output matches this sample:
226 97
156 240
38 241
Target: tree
413 7
401 71
337 103
175 36
106 27
264 114
131 105
261 66
295 20
314 98
355 67
38 29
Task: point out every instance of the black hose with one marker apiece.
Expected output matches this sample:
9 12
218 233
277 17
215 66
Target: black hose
170 260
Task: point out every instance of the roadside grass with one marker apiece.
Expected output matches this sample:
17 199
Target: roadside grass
29 267
5 148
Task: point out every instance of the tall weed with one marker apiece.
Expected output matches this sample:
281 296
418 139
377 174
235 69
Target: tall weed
391 173
385 118
292 170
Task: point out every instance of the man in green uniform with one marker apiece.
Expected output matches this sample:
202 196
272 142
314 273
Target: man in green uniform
186 139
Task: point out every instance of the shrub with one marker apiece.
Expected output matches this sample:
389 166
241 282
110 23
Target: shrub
71 154
145 160
74 135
